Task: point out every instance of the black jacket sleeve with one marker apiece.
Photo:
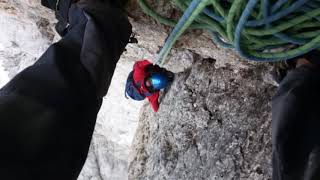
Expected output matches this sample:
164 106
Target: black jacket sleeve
48 111
295 126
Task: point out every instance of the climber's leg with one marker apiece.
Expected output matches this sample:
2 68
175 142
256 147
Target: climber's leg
48 111
296 125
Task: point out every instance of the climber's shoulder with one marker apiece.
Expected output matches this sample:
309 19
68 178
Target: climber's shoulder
141 64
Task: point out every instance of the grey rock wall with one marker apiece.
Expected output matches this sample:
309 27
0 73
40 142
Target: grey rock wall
213 123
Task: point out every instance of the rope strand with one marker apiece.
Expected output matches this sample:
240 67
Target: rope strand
259 30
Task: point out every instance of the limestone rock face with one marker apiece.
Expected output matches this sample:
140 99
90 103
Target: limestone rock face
213 123
26 32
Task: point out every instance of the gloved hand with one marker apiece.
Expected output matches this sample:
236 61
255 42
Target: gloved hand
115 3
61 7
93 7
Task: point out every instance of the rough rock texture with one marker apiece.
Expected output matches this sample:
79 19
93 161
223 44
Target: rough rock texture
213 123
27 30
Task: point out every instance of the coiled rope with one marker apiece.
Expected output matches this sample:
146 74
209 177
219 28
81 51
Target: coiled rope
259 30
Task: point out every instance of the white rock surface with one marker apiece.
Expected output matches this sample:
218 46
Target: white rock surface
4 77
26 32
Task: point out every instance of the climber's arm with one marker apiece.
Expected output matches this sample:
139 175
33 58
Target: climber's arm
153 99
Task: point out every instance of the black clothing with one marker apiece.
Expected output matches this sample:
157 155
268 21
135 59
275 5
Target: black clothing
296 126
48 111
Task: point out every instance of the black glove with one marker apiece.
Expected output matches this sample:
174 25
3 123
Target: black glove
61 7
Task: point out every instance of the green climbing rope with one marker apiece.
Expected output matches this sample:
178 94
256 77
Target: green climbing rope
259 30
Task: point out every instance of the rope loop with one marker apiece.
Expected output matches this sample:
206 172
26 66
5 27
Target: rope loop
259 30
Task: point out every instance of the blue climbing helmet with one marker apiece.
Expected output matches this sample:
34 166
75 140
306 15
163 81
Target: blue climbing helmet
159 81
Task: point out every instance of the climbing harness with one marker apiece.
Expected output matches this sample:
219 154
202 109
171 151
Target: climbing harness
259 30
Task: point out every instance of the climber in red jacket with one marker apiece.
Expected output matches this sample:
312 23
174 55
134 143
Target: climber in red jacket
146 81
